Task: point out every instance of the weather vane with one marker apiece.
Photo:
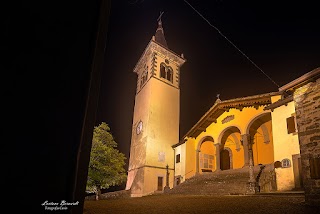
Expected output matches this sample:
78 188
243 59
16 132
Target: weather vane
218 96
159 19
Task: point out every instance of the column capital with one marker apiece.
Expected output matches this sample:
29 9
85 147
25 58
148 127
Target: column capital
245 135
246 138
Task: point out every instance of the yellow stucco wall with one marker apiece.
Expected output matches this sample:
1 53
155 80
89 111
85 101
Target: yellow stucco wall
285 145
180 167
151 179
263 147
190 166
263 151
163 123
233 143
208 147
157 106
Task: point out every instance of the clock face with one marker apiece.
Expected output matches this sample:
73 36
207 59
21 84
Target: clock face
139 127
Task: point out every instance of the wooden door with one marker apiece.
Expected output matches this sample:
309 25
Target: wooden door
225 159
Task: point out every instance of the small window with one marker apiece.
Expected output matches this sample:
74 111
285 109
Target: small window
314 168
291 124
166 61
178 158
286 163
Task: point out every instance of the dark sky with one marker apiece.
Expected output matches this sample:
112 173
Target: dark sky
283 39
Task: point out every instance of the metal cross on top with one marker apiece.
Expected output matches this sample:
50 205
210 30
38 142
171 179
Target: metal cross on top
159 19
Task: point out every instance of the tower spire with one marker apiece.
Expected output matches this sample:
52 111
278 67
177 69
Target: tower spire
159 36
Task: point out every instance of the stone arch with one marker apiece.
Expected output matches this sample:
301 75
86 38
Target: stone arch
230 157
232 128
229 139
204 156
262 147
203 139
262 117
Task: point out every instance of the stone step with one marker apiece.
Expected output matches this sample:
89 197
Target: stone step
226 182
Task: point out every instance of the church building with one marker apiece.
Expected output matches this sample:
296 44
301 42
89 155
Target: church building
259 131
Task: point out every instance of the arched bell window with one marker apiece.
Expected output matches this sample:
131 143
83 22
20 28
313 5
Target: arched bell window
163 71
169 74
166 72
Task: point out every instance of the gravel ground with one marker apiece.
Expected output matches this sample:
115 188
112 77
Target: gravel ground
167 204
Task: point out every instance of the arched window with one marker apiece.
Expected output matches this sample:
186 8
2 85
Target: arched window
162 71
144 78
169 74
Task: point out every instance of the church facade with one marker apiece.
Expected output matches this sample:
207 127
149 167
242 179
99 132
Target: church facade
250 131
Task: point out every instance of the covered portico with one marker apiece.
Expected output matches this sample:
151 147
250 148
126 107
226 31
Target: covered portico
230 135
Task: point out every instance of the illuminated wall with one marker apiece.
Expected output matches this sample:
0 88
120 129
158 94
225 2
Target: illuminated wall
207 153
157 106
263 145
190 158
227 133
285 145
180 166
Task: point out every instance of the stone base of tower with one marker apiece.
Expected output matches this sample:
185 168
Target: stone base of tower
148 180
135 182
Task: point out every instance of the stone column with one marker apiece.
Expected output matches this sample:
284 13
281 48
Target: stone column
197 161
245 143
252 186
218 167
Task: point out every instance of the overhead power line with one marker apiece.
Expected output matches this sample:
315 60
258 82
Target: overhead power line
232 44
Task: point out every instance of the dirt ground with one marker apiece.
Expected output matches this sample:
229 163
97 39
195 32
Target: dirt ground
167 204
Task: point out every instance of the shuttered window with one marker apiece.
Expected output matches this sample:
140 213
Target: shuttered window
291 124
178 158
314 168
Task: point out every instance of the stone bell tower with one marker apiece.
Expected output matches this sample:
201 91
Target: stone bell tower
155 126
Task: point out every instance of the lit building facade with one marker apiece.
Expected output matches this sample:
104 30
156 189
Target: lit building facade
254 130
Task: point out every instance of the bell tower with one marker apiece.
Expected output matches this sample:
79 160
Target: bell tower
155 126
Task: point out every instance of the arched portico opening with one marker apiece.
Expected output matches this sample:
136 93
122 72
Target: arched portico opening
205 155
231 152
225 159
260 131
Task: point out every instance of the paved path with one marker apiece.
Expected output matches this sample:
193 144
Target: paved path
167 204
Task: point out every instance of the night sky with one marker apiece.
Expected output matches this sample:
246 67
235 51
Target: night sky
283 39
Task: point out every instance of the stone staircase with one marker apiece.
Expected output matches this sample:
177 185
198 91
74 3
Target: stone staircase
226 182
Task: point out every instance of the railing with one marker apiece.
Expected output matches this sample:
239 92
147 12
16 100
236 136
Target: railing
266 178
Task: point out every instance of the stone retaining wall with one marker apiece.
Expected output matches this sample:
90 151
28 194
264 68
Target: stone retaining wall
111 195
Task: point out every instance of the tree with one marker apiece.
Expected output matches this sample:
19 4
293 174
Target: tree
106 166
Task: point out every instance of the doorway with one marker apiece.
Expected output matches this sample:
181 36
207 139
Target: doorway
224 159
296 164
160 183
